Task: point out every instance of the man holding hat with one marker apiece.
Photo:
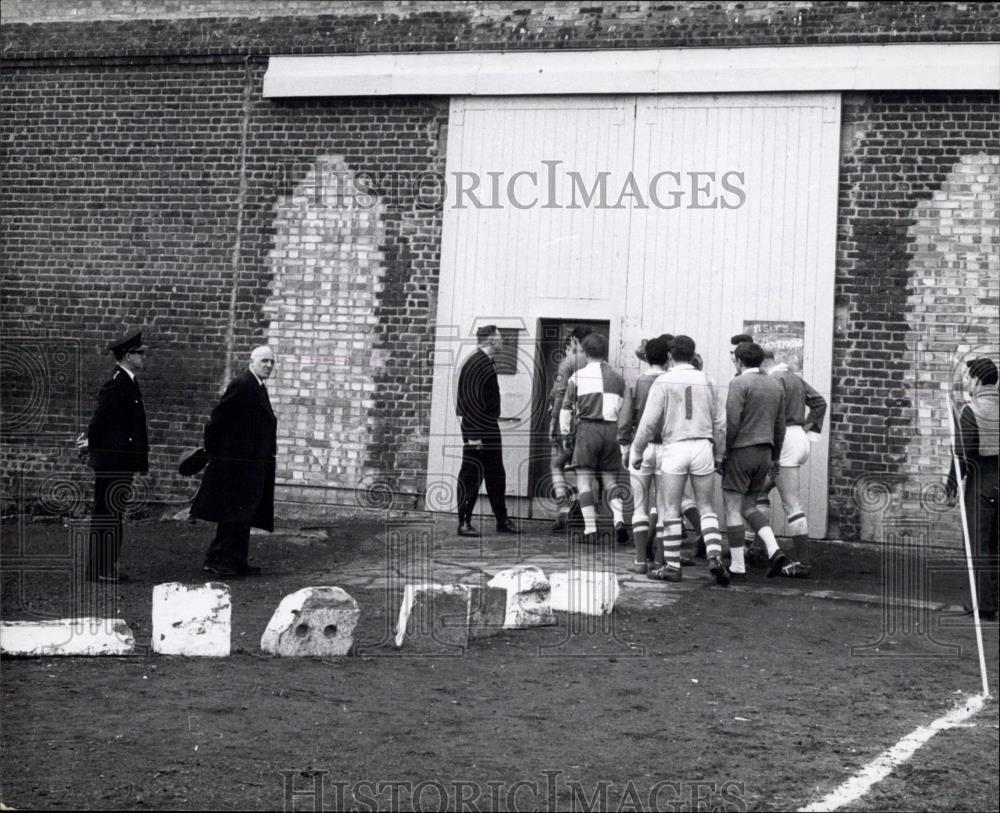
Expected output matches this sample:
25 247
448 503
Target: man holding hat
977 443
118 447
237 491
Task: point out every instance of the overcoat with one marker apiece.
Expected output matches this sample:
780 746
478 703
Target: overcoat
241 441
116 438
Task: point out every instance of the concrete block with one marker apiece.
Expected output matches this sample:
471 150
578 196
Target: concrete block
590 592
66 636
528 597
192 620
487 611
434 618
312 622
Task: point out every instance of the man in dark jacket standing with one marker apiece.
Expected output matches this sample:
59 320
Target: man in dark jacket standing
478 406
238 489
118 447
977 447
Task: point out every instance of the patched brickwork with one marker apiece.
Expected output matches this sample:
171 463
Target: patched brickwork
901 154
327 271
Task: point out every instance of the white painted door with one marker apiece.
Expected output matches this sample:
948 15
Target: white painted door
650 256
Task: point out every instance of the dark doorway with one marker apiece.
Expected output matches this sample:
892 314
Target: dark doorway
552 337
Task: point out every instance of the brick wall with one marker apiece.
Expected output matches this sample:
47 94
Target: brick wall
372 27
146 183
122 195
916 284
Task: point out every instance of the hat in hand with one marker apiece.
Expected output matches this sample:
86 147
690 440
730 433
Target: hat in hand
192 461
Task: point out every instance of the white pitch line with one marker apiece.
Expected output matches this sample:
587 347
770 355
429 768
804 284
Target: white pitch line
880 767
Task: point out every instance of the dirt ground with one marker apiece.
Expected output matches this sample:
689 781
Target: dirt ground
764 696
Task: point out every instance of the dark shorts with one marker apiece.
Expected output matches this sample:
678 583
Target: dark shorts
559 457
597 446
747 469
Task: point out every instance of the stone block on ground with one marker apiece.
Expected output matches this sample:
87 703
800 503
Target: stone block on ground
434 618
66 636
528 597
312 622
192 619
590 592
487 611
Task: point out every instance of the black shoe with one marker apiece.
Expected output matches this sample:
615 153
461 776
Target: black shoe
686 561
507 527
467 530
622 535
737 577
717 569
220 570
588 539
561 522
665 573
795 570
778 561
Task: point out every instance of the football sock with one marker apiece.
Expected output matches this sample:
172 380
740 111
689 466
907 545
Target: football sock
589 512
711 535
672 536
734 533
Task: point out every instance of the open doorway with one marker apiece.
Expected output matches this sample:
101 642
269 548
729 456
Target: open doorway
552 336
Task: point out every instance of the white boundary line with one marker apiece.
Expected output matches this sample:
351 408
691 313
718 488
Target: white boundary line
880 767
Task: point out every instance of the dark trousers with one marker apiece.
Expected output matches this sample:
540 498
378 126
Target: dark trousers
479 463
231 545
112 492
981 513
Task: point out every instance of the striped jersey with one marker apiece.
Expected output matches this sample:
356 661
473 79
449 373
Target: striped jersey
594 393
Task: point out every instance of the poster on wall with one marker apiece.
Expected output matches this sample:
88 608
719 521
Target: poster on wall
786 339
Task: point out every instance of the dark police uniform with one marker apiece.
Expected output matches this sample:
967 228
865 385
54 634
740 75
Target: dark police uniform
118 447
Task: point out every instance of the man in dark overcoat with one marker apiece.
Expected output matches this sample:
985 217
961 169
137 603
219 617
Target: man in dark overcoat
478 406
237 491
118 447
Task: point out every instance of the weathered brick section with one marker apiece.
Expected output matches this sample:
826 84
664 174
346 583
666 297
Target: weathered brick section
898 151
327 270
121 188
367 27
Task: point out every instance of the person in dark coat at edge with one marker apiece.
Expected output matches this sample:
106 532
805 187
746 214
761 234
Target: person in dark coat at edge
237 491
118 447
977 447
478 406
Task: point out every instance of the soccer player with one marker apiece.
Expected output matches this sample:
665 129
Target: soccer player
594 398
573 360
656 354
683 406
804 412
755 431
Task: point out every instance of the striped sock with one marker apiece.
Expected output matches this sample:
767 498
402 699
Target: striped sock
587 508
711 534
672 537
657 542
734 533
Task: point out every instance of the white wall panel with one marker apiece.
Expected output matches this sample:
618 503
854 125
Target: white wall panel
644 268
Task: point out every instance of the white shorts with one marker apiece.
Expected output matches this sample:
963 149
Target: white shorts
795 449
688 457
650 459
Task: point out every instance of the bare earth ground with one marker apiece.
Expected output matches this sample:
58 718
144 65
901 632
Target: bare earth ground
764 696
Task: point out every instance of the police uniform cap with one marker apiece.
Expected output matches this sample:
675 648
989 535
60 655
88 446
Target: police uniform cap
129 344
